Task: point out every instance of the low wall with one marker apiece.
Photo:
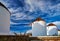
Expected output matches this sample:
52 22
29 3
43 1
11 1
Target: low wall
27 38
45 38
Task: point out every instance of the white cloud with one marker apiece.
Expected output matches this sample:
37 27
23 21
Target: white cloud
15 10
21 16
37 4
29 31
45 6
5 2
12 22
57 22
55 10
12 10
32 5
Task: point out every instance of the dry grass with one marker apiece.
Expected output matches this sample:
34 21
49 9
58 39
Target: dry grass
27 38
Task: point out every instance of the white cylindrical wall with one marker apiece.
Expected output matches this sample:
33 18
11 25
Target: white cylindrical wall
39 28
52 31
4 20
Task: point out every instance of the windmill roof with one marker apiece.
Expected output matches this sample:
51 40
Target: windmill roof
39 19
51 24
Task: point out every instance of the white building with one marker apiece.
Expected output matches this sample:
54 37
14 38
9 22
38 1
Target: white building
52 30
39 28
4 20
58 32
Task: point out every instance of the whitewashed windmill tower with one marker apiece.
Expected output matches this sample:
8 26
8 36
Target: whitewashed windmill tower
39 28
52 30
4 19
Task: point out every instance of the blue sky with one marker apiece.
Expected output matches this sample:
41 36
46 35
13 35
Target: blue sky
24 12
